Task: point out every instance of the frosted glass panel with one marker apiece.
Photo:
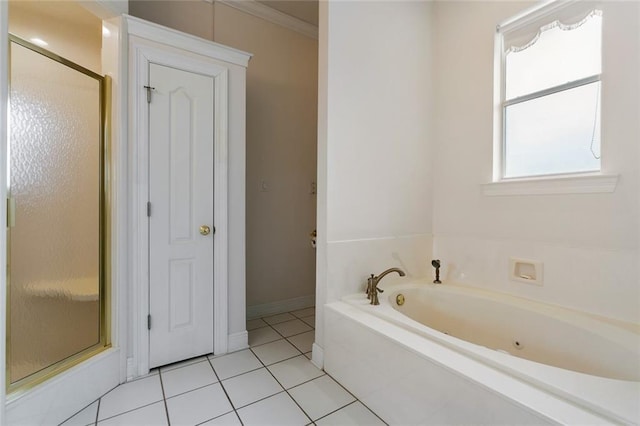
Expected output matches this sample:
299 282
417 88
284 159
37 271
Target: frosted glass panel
558 133
55 182
557 57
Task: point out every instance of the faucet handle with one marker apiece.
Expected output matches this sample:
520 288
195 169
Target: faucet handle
370 286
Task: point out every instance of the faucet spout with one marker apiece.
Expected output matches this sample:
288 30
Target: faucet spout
390 270
372 284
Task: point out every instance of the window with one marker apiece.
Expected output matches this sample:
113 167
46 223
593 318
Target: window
549 92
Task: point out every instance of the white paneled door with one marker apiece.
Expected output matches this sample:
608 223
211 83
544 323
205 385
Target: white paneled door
181 146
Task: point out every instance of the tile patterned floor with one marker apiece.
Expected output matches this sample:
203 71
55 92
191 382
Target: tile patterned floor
271 383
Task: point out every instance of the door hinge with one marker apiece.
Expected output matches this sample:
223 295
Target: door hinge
149 322
149 89
148 208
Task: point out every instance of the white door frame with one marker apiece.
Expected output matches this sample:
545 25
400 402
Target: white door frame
142 52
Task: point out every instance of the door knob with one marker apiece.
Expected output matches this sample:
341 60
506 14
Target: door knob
205 230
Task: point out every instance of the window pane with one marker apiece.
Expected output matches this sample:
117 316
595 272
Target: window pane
557 57
554 133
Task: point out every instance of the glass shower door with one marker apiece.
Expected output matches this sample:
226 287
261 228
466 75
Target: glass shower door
55 234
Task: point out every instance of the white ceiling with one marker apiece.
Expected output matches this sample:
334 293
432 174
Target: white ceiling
305 10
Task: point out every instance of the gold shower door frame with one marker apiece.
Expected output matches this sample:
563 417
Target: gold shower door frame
104 276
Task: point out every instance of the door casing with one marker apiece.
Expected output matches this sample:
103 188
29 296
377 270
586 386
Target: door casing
142 52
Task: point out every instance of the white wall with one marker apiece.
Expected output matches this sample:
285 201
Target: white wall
588 242
374 204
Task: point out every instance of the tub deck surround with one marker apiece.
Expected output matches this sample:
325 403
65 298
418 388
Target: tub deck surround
555 394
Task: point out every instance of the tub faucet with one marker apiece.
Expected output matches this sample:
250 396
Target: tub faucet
372 284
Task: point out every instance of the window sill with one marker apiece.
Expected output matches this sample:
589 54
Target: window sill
581 184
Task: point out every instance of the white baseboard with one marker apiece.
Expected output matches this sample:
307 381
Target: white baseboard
238 341
57 399
258 311
317 356
131 373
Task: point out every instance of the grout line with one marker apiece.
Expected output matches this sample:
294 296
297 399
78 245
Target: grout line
133 409
347 390
261 399
286 339
280 334
302 332
164 398
300 384
239 374
191 390
282 360
216 417
98 410
82 409
336 410
266 343
288 394
225 391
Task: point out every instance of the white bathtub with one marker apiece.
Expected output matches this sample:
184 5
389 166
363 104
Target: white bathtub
562 367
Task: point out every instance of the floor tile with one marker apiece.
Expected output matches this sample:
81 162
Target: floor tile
352 414
183 363
289 328
321 396
250 387
129 396
295 371
235 363
151 415
187 378
262 335
229 419
275 319
198 406
311 320
301 313
255 323
275 351
86 416
278 410
308 355
303 341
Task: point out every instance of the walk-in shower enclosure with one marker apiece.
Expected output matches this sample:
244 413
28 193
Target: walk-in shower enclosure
56 223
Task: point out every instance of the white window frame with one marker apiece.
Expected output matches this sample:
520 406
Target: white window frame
570 182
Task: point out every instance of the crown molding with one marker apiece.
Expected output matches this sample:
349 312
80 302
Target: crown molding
169 36
259 10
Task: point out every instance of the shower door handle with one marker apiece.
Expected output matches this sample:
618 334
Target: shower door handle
11 212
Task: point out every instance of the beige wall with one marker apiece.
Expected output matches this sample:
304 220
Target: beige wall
71 31
281 141
190 16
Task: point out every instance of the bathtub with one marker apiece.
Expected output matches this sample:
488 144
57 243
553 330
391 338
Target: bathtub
452 354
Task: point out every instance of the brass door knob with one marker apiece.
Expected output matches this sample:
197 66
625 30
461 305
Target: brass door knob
205 230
